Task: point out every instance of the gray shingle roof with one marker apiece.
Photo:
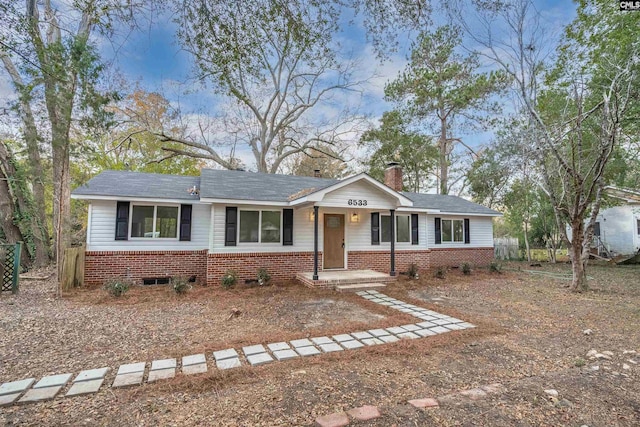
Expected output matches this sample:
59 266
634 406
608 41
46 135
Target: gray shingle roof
226 184
241 185
448 203
137 184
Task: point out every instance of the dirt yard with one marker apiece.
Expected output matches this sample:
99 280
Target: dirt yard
529 338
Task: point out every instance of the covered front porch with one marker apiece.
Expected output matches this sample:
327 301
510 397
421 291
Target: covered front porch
344 278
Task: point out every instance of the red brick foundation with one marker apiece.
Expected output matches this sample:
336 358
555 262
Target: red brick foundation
281 266
453 257
136 265
209 268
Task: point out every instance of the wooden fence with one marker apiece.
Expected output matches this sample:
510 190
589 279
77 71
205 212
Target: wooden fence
72 268
506 248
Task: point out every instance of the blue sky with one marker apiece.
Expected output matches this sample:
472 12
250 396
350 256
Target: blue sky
155 61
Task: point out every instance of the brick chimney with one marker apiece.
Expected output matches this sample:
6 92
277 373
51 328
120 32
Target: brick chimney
316 173
393 176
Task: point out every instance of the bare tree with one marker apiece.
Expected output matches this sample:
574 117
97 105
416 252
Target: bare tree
577 117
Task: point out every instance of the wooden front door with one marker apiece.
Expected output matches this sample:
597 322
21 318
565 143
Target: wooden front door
333 241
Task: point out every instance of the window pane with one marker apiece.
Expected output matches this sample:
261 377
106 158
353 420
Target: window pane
249 226
167 221
446 230
403 229
458 231
385 228
270 227
142 221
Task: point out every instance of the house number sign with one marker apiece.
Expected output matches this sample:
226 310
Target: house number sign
357 202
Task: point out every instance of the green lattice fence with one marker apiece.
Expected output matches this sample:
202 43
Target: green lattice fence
10 267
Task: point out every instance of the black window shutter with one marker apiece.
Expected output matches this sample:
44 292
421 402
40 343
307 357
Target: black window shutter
375 228
467 235
287 227
185 222
438 234
414 229
231 226
122 221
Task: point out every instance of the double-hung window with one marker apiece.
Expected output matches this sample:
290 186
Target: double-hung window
403 228
151 221
452 230
260 226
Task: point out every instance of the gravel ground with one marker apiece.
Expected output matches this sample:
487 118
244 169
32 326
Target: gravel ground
529 338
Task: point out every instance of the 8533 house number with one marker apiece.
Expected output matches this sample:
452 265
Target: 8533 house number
357 202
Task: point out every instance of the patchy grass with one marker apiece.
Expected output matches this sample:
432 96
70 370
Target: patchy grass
529 338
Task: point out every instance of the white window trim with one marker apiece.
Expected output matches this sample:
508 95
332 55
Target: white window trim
395 229
155 215
453 242
259 242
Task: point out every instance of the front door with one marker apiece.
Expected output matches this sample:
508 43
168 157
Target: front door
333 241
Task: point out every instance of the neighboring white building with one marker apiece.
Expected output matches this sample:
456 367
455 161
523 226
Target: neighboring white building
618 228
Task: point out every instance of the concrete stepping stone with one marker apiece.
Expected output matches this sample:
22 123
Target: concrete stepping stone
40 394
231 363
253 349
424 403
453 327
467 325
307 351
369 297
198 368
331 347
125 380
389 338
426 324
53 380
410 328
229 353
361 335
131 368
157 365
322 340
395 330
425 332
284 354
376 300
161 374
454 320
14 387
195 359
406 310
342 337
301 343
440 322
8 399
439 329
379 332
386 303
408 335
91 374
428 318
278 346
362 293
364 413
372 341
85 387
259 359
350 345
396 307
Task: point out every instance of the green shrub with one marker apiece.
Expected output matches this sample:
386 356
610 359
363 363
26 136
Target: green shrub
440 272
180 284
118 286
229 279
495 267
466 268
413 271
579 362
263 277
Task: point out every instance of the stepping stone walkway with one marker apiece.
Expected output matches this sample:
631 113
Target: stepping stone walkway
90 381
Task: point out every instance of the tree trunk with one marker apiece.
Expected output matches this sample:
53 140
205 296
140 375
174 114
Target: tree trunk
578 259
526 241
444 167
61 191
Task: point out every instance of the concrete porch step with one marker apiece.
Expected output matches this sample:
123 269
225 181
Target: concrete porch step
360 287
332 278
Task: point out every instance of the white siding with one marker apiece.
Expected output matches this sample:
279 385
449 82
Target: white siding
361 190
101 231
359 234
481 229
618 229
